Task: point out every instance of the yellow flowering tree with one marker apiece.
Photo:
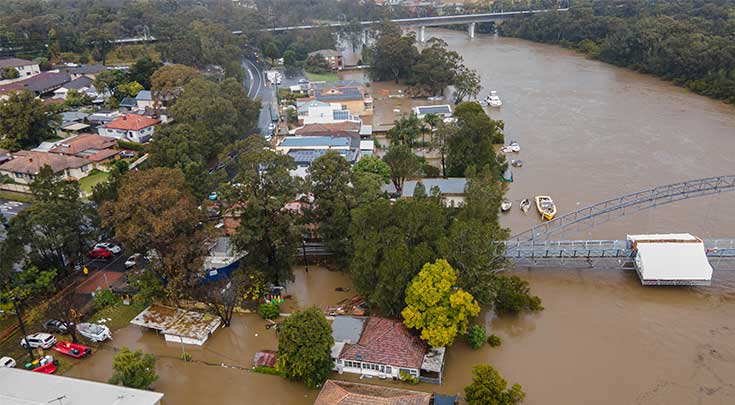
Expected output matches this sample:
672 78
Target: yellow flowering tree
436 306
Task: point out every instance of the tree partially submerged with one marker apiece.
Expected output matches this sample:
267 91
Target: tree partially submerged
489 388
223 296
304 347
133 369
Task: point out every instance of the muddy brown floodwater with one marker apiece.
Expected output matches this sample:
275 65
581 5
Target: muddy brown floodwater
588 131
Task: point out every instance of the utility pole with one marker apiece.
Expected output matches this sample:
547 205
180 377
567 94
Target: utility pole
22 327
303 248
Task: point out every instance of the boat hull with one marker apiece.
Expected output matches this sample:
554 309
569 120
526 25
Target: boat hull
546 213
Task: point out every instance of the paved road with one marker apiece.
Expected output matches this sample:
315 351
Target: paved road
256 87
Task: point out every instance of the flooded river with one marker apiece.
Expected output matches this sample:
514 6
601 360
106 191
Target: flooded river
588 131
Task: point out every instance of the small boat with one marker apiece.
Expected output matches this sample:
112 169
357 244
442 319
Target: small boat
511 147
525 205
546 207
45 364
506 205
72 349
94 332
516 163
493 100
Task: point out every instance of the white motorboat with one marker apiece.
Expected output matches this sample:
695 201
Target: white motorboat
511 147
506 205
94 332
493 100
516 163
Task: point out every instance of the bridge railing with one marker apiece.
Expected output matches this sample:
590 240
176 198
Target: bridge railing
605 211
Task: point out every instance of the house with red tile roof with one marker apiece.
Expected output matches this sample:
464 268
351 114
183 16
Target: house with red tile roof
93 147
25 165
383 348
130 127
337 392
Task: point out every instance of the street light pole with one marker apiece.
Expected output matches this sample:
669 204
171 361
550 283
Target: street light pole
303 247
22 327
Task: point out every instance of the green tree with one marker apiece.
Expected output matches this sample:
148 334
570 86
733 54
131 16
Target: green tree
76 99
155 212
304 347
128 89
391 242
271 50
466 85
330 177
290 58
513 294
477 336
436 307
316 64
489 388
258 195
9 73
133 369
403 164
56 229
107 190
436 67
108 80
406 131
25 121
373 164
393 55
142 70
473 141
168 82
440 142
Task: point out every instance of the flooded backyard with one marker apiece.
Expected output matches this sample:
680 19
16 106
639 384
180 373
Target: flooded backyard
588 132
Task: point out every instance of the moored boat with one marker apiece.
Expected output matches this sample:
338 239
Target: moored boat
493 100
546 207
506 205
94 332
525 205
45 364
72 349
511 147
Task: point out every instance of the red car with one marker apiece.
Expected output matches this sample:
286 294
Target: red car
99 253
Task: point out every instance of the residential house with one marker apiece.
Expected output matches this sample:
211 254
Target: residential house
452 189
25 165
335 392
18 387
144 99
333 58
354 99
383 348
178 325
4 155
81 84
89 71
95 148
130 127
128 104
41 84
103 117
25 68
73 121
319 112
343 128
443 111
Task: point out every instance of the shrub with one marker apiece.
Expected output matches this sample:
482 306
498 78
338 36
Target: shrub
105 298
268 370
130 145
405 377
513 294
493 340
476 336
269 310
185 356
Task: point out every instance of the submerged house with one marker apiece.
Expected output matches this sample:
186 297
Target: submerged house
383 348
337 392
178 325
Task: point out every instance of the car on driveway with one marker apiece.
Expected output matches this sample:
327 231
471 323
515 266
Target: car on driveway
54 326
132 260
7 362
115 249
38 339
99 253
127 154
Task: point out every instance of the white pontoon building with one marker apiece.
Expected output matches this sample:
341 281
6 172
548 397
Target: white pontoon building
671 259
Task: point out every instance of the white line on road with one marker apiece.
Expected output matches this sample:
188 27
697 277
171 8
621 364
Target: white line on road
250 74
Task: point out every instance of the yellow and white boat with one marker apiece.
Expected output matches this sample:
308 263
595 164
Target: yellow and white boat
546 207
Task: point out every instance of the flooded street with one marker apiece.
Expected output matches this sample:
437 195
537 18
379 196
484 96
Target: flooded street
588 132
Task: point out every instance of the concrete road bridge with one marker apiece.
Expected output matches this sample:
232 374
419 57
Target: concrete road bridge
534 247
420 23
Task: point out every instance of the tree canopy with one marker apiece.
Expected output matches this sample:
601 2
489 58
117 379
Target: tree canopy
472 144
304 347
133 369
489 388
436 307
25 121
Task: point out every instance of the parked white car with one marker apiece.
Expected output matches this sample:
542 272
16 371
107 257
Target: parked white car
132 260
7 362
115 249
38 339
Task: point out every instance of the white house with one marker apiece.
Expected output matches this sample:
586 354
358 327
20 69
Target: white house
25 68
130 127
320 112
26 164
178 325
383 348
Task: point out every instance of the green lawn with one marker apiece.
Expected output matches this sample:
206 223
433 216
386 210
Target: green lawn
326 77
88 183
13 196
119 315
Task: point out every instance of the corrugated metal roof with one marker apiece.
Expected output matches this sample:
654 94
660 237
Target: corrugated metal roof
453 185
312 141
347 329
